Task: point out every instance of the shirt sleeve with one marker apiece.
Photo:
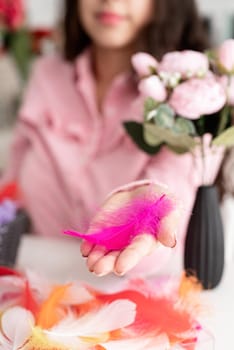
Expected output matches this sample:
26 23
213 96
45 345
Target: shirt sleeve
33 108
177 173
228 172
31 113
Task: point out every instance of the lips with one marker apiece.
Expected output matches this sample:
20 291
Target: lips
110 18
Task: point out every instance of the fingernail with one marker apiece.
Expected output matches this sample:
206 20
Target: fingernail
101 274
120 273
175 243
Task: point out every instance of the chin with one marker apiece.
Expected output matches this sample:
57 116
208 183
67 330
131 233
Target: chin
112 38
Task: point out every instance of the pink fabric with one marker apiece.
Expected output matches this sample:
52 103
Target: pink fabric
67 156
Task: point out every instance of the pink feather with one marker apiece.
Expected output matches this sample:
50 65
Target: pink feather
118 228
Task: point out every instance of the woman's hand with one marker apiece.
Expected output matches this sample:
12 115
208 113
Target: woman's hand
101 262
207 161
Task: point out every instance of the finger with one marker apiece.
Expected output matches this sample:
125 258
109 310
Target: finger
106 264
97 253
86 248
129 257
207 138
168 229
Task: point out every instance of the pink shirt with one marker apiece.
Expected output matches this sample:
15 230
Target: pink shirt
67 156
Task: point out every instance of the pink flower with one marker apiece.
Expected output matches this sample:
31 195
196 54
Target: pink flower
197 97
228 85
225 56
12 13
187 63
143 63
153 87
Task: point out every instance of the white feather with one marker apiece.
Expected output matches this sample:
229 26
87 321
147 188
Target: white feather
40 286
72 343
116 315
76 295
10 291
4 343
160 343
17 324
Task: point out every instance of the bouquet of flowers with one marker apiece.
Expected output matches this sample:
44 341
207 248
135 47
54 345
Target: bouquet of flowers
187 95
38 315
188 107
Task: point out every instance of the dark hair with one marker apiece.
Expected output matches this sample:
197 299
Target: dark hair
176 26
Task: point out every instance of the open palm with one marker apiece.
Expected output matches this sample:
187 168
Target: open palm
102 262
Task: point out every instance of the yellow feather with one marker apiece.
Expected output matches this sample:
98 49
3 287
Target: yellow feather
39 341
101 338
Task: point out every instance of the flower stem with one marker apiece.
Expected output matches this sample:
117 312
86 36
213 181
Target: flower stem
223 120
203 163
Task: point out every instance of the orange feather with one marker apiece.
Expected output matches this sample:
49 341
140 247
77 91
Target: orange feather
51 311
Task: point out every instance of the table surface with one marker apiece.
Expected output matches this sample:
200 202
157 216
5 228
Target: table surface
59 260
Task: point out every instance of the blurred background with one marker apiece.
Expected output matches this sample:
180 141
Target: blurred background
36 32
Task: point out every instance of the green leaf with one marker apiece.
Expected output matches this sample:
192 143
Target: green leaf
211 55
135 130
149 105
152 134
155 135
200 125
178 150
225 139
224 119
184 126
20 48
164 116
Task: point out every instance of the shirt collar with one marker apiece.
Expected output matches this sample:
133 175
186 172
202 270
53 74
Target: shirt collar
86 78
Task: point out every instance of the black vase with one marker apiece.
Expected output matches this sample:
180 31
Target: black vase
204 244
